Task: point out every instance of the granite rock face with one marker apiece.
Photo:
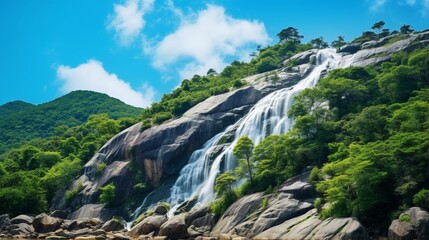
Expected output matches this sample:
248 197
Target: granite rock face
161 151
309 226
412 224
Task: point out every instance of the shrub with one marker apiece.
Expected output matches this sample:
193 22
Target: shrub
108 195
421 199
162 117
264 203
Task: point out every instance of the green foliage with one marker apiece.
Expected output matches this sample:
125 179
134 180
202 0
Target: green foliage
375 124
21 192
70 194
289 33
108 195
406 29
339 42
421 199
224 183
264 202
405 218
13 107
219 206
378 26
319 43
25 122
99 168
243 151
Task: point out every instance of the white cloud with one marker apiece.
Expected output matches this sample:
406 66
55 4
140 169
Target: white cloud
128 19
411 2
377 4
92 76
206 40
425 9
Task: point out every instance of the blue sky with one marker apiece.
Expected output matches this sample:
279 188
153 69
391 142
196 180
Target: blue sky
138 50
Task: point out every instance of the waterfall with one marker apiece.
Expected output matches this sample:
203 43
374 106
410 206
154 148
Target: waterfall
268 116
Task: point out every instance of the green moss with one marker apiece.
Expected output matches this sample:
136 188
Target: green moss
264 202
405 218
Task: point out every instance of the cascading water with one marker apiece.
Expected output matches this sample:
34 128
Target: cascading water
268 116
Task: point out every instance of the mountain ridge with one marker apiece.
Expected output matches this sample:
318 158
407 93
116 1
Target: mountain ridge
39 121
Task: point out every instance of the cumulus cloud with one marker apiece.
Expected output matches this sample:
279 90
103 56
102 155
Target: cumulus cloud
92 76
377 4
128 20
205 41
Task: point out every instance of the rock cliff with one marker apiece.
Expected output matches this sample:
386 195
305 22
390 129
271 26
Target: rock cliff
161 151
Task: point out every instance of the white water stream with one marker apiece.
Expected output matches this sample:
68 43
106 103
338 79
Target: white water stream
267 117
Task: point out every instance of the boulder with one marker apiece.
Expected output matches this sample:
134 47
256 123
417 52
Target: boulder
119 236
148 225
83 223
59 214
412 224
43 223
4 221
236 213
114 224
280 209
160 209
175 227
299 187
80 232
91 211
21 229
309 226
350 48
196 213
22 219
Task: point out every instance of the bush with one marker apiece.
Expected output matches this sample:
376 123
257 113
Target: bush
108 195
421 199
162 117
219 206
266 64
264 203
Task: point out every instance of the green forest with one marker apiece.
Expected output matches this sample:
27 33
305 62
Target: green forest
21 122
365 131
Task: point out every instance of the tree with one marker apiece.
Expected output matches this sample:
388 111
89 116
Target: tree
289 33
406 29
243 150
108 194
211 72
339 42
378 26
319 43
224 182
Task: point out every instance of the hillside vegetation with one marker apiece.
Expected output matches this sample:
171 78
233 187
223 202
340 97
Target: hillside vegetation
366 132
22 121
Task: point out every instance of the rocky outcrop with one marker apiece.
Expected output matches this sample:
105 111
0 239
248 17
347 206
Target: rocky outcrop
309 226
280 209
43 223
114 224
412 224
175 228
161 151
237 213
4 221
22 219
148 225
378 55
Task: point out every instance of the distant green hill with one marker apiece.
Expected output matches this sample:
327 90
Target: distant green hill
22 121
13 107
